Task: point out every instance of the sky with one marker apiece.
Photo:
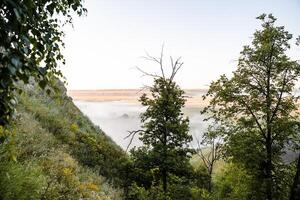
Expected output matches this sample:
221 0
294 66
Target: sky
104 48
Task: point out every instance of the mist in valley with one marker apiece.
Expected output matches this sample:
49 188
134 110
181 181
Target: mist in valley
116 118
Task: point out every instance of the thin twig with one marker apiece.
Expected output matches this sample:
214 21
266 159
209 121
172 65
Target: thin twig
131 135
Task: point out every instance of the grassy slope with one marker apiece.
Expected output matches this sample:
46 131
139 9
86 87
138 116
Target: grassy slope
60 153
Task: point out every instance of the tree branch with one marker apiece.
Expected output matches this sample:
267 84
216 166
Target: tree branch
131 135
254 116
280 97
201 155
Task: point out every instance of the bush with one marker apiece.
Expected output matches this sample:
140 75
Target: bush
20 182
137 193
234 183
201 194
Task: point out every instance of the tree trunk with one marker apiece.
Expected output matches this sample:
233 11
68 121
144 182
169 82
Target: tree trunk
209 184
164 170
164 179
269 179
295 190
210 180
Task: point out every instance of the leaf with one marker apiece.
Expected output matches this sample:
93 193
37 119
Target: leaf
16 62
14 158
12 69
13 101
17 14
43 84
42 70
24 78
48 91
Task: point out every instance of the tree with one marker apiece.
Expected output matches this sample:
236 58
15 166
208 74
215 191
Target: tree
211 141
295 190
257 104
30 44
164 128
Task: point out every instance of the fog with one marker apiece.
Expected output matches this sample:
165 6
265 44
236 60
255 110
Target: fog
116 118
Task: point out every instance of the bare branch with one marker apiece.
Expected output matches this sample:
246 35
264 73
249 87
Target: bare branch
161 61
131 135
146 73
145 87
174 66
201 155
150 58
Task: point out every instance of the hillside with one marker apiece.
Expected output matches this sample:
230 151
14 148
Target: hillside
53 151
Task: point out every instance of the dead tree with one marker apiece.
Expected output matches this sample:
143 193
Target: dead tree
212 142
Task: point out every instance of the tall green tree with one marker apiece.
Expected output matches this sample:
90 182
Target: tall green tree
30 44
164 128
256 105
295 189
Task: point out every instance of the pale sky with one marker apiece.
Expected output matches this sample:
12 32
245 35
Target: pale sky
104 47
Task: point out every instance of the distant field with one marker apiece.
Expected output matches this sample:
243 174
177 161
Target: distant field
194 96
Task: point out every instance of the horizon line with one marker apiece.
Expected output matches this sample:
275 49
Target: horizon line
101 89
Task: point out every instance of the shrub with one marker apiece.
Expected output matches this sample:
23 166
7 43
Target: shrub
234 183
20 182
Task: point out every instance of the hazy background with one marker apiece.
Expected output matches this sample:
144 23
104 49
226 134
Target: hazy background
116 118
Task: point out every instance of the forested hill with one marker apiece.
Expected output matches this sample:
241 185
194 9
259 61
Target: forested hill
53 151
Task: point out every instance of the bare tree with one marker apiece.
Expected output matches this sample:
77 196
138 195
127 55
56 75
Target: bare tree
212 141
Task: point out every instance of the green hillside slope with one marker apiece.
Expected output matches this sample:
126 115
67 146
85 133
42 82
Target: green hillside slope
54 152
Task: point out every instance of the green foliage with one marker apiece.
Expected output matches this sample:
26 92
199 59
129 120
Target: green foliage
165 136
137 193
58 151
201 194
201 178
7 139
19 181
161 168
234 183
88 144
30 44
176 192
295 189
256 107
62 182
180 188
